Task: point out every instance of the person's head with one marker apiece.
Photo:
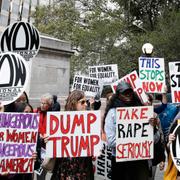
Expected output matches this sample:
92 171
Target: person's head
125 92
24 107
76 101
55 98
28 109
46 102
23 98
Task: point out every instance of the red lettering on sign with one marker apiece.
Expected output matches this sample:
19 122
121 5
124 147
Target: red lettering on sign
152 86
54 124
143 114
177 96
133 78
78 121
22 165
134 150
91 118
133 113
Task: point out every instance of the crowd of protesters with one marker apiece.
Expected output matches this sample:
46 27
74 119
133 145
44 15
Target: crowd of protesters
81 168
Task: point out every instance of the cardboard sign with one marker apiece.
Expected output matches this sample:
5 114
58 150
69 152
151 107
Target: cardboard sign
22 38
174 71
18 138
175 147
134 134
91 86
73 134
14 77
152 74
107 73
40 169
135 83
102 163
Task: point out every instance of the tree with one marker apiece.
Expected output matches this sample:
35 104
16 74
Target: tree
103 34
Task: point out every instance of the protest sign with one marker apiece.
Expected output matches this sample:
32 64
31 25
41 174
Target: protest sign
91 86
102 163
18 138
73 134
107 73
21 38
134 134
14 77
175 146
174 71
152 74
135 83
40 169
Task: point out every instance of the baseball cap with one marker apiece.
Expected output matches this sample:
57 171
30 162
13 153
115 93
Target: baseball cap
123 86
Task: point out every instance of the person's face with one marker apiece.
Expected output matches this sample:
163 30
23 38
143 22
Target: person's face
22 98
27 109
44 105
127 95
81 104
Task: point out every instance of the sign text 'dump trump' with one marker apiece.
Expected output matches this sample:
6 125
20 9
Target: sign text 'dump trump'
73 134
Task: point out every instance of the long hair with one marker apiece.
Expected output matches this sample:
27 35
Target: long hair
72 100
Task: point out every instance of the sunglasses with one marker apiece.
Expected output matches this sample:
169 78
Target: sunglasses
82 101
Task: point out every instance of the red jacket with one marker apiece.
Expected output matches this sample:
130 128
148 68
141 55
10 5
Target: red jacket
42 121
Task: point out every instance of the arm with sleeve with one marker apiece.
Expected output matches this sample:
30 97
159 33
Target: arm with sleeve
110 128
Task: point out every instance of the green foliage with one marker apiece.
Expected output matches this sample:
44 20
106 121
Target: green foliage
101 34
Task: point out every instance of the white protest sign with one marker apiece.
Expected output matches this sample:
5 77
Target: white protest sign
91 86
21 38
135 83
14 77
107 73
102 163
174 71
175 146
152 74
73 134
18 139
134 134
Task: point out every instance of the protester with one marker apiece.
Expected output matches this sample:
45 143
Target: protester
171 172
46 105
94 103
159 143
167 115
56 105
124 97
24 107
20 106
76 167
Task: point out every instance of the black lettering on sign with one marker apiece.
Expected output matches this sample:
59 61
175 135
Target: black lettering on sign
175 147
10 40
16 67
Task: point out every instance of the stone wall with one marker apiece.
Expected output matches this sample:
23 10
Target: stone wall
50 69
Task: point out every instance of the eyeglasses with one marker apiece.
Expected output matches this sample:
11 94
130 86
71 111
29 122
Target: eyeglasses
82 101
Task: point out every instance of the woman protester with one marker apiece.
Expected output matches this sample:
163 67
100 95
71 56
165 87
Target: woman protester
80 168
130 170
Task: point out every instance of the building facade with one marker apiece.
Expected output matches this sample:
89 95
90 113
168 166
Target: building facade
50 71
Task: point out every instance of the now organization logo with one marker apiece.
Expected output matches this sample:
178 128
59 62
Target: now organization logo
22 38
14 77
175 147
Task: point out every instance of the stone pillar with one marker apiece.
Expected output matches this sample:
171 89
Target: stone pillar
50 71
